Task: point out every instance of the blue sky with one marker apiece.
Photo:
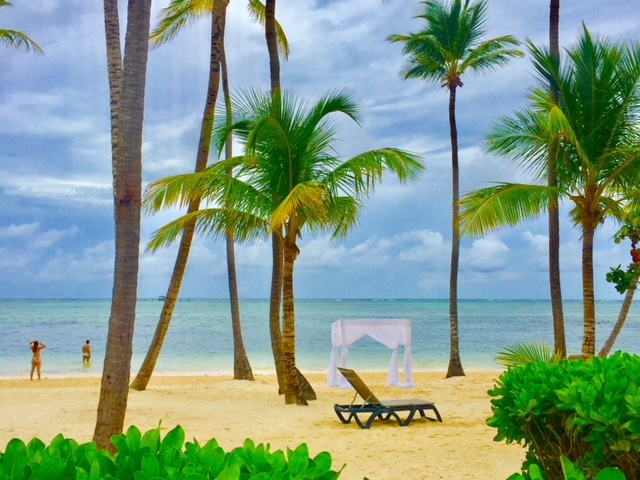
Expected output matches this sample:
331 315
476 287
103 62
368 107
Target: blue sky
56 214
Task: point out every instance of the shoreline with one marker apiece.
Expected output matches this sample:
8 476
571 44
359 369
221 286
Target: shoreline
233 410
229 373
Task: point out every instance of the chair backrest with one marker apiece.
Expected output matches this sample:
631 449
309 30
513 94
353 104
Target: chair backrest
357 383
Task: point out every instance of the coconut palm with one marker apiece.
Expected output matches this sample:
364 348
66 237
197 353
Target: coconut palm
127 88
289 180
177 16
15 39
592 128
451 43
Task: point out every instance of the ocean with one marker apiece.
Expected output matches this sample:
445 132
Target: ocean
199 341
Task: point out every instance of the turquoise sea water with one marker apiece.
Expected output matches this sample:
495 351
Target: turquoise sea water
200 339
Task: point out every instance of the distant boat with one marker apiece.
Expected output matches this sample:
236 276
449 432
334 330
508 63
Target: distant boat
161 298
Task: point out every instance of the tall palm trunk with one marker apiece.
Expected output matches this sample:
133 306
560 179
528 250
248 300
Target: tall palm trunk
274 307
455 365
218 19
277 242
588 291
241 366
128 117
559 341
622 317
292 393
272 44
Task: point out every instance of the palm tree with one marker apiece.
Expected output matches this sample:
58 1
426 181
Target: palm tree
559 341
450 44
127 88
15 39
592 128
175 17
289 180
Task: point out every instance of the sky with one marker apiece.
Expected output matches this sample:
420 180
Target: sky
56 200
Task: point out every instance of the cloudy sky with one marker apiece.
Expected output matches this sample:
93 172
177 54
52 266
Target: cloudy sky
56 213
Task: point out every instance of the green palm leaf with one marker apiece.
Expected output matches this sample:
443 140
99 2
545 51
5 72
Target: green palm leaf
522 353
504 204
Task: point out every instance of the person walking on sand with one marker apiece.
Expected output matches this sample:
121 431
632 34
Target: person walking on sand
36 361
86 352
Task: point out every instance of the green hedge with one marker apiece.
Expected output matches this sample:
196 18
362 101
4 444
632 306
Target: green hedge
587 411
150 457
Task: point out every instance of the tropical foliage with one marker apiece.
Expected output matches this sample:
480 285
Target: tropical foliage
289 180
451 43
151 456
570 472
592 129
584 410
627 279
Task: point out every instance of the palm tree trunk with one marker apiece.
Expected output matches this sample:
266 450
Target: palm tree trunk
292 393
455 365
128 111
588 291
270 34
276 240
218 19
274 308
276 277
622 317
241 366
559 340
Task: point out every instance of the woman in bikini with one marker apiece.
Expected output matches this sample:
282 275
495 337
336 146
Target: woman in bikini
36 361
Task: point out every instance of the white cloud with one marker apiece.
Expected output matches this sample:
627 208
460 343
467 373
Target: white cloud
487 255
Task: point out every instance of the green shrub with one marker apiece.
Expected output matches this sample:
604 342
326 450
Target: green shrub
570 473
588 411
148 457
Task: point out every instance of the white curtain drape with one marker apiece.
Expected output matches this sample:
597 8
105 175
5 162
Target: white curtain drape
391 333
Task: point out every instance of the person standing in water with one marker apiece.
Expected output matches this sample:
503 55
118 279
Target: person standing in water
36 360
86 352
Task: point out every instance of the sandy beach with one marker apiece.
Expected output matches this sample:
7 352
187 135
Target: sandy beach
229 410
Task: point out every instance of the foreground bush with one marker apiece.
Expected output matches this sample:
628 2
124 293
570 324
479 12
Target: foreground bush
570 473
148 457
588 411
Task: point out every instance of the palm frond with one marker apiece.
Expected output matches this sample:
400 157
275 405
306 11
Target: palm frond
215 222
523 353
19 41
310 195
359 175
505 204
178 15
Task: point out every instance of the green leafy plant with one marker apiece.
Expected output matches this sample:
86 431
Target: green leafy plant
569 473
150 457
624 280
586 410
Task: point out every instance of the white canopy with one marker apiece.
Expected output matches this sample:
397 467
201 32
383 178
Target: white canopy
390 332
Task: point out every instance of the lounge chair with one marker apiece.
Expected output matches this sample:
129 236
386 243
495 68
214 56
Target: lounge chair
383 409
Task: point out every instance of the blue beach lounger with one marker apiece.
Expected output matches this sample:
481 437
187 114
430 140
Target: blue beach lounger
383 409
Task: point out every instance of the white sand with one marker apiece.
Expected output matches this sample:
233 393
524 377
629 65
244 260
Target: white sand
229 410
